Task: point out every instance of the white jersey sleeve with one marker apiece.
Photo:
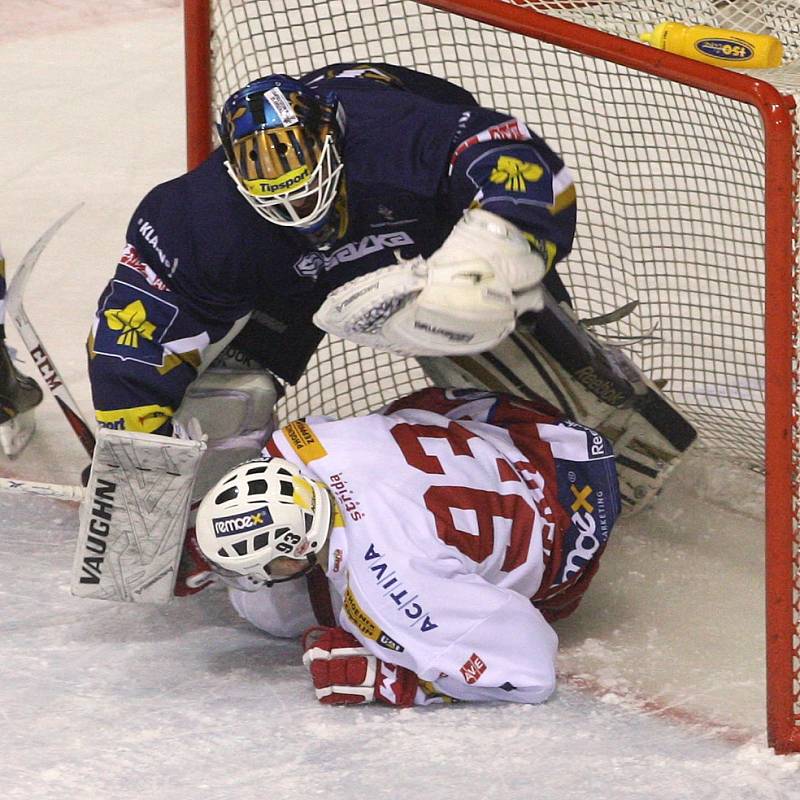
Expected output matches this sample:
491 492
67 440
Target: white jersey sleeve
283 610
509 655
464 637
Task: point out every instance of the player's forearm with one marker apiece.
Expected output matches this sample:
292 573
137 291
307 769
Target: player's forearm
515 175
509 656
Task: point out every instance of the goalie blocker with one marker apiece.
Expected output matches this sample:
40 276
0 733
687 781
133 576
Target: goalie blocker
555 357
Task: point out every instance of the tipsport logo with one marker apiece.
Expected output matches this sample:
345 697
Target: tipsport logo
237 523
727 49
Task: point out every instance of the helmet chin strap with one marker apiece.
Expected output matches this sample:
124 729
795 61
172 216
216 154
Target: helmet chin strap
312 558
249 583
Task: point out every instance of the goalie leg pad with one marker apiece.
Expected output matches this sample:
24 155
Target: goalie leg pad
234 409
594 384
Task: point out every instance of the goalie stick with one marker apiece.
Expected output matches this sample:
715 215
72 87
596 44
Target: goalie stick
57 491
33 343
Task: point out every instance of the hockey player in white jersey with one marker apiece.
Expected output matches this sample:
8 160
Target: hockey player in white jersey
452 527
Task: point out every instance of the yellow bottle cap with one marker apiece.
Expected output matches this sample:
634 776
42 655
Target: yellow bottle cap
659 33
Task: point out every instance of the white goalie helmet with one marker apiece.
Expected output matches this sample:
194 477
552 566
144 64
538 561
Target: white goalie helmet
259 511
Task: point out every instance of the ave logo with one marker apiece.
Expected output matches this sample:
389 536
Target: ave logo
473 668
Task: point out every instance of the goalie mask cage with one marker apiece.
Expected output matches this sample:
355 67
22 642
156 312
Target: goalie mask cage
686 177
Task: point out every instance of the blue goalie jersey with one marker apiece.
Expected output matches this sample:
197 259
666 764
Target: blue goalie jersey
200 263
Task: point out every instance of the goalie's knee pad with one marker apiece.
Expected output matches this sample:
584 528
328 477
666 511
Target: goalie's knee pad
592 383
234 409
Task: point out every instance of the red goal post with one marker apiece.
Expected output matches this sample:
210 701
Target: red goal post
687 183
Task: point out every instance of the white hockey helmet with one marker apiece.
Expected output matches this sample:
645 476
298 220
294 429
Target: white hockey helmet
261 510
283 142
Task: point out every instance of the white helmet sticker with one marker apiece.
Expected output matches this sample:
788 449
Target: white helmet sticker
283 108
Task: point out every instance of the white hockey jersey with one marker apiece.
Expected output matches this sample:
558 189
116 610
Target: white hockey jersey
457 509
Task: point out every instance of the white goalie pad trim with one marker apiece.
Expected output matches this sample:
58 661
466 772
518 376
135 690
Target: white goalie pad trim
234 410
133 517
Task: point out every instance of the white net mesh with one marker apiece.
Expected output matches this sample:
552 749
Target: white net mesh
670 179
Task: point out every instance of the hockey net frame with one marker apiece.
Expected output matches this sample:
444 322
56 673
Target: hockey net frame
762 409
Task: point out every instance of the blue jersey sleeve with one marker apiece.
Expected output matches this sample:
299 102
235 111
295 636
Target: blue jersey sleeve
421 134
192 269
500 165
145 348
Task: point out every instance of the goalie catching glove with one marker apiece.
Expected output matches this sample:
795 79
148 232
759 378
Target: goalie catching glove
464 299
345 672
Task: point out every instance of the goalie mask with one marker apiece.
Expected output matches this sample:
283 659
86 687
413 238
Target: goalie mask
283 144
262 510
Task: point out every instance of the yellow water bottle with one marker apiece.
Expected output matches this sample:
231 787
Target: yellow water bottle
718 46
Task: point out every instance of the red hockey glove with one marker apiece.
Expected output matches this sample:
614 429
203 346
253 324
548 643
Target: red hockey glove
194 572
344 671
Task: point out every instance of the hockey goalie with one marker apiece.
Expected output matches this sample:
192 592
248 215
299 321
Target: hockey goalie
388 207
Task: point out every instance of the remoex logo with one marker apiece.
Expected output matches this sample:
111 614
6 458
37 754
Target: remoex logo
225 526
473 668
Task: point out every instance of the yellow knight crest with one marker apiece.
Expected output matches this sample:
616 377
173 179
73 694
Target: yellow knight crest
515 174
132 321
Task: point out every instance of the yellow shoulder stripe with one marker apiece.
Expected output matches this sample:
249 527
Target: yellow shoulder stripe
144 419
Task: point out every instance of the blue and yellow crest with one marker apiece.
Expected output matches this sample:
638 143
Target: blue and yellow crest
132 324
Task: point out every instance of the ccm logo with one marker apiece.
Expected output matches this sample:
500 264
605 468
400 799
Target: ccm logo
473 668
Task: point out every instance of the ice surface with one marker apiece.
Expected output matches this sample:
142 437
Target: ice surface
662 686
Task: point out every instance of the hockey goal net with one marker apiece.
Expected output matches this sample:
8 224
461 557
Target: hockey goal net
686 177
